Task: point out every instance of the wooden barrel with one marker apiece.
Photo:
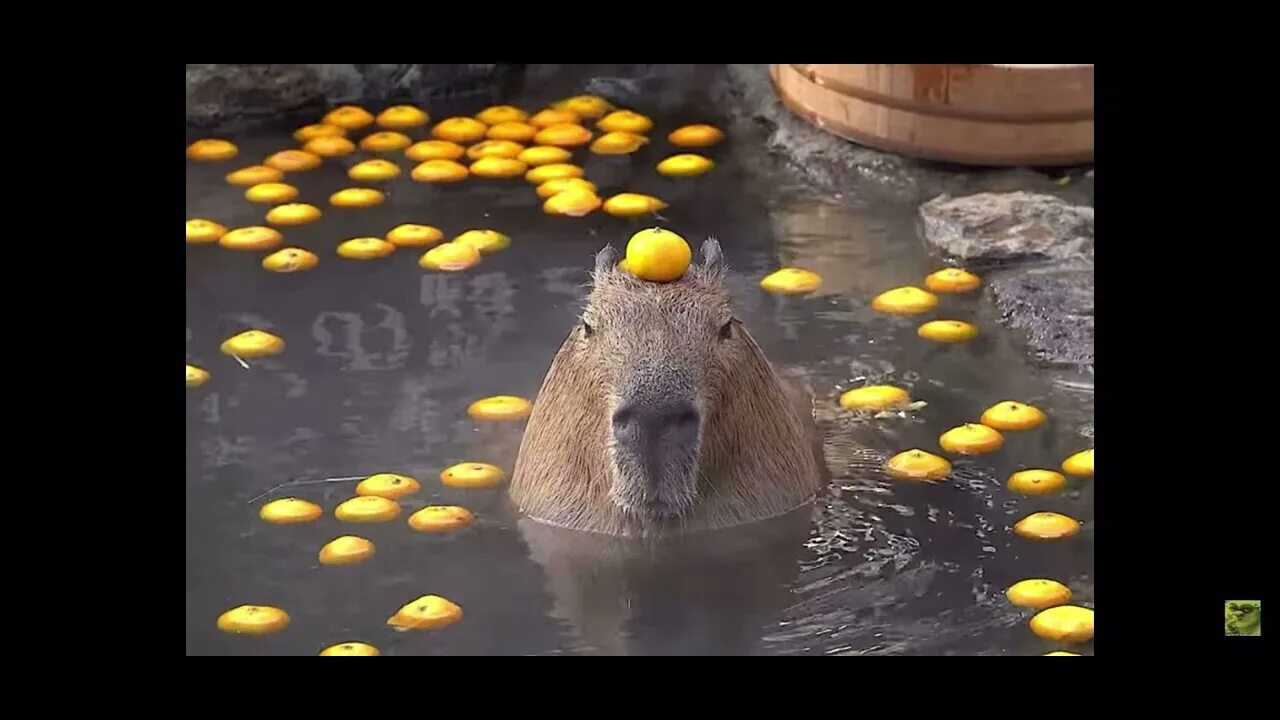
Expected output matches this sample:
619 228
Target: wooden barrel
990 115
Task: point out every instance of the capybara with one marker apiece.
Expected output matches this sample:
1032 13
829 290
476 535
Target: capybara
660 415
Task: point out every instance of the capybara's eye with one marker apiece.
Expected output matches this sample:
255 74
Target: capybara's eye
726 330
587 330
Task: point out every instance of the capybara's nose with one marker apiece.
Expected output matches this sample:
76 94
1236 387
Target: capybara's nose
632 420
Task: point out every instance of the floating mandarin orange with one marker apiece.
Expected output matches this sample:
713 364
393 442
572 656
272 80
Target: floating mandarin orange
402 117
411 235
574 202
434 150
367 509
1038 593
254 175
357 198
952 280
495 148
500 408
254 237
365 248
633 205
486 241
330 147
559 185
253 620
1011 415
346 550
449 257
290 511
625 121
252 345
543 173
512 131
351 649
497 168
618 143
272 193
695 136
947 331
1079 464
971 439
200 231
544 155
459 130
1046 526
686 165
290 260
587 106
874 397
212 150
791 281
307 133
196 376
1036 482
550 116
472 475
439 171
918 465
440 518
905 301
429 612
392 486
563 135
385 141
501 114
1064 623
374 171
293 161
293 214
348 117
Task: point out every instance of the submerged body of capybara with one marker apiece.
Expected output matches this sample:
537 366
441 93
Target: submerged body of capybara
660 414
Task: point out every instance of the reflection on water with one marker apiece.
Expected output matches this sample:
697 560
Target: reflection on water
383 358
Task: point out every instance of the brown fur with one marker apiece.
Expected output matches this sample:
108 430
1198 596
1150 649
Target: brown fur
756 458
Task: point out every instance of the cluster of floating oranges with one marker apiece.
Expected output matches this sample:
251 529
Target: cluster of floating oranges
1057 620
378 499
493 143
906 300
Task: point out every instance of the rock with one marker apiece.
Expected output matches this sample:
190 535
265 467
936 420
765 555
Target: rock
1008 226
219 94
1053 305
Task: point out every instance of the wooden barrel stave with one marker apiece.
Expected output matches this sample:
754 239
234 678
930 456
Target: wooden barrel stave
987 115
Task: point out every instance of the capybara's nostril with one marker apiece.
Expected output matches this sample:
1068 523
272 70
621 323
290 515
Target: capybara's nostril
623 417
654 419
685 416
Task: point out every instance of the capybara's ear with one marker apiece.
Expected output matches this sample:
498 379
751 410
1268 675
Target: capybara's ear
606 259
711 255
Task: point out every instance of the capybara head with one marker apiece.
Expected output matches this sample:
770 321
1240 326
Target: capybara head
661 413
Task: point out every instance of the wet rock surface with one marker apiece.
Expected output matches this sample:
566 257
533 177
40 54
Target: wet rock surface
1008 226
234 94
1053 305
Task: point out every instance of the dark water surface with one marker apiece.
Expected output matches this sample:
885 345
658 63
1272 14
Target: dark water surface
383 358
